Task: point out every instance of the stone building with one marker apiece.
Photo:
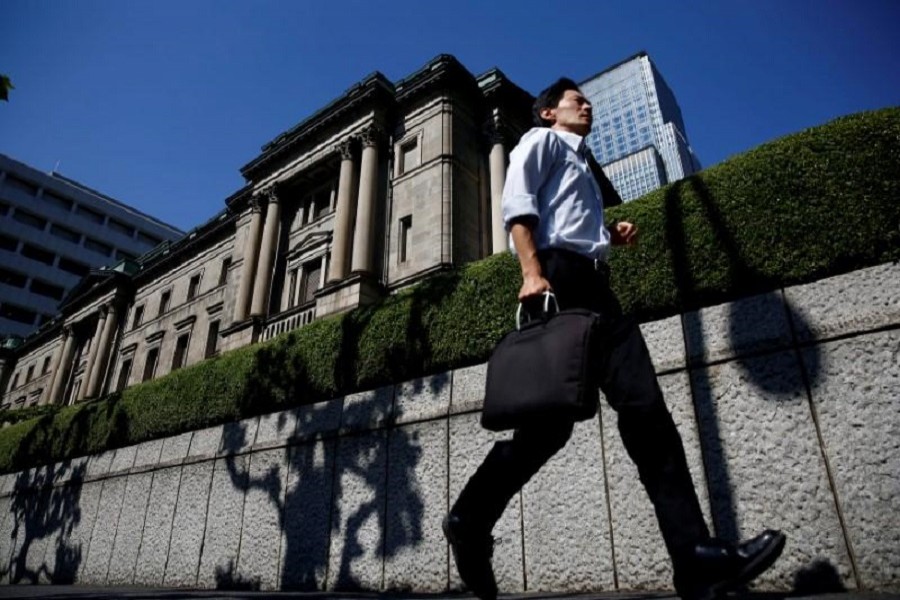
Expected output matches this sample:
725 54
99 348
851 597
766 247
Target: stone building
383 186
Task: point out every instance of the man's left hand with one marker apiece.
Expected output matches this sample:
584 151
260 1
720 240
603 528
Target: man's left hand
623 234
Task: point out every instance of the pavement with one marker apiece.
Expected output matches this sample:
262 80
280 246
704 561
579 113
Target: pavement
61 592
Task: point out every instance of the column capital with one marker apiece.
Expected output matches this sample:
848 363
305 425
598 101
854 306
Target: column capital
266 195
346 148
66 331
103 309
495 131
372 135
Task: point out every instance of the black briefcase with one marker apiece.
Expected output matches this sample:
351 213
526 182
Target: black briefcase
543 370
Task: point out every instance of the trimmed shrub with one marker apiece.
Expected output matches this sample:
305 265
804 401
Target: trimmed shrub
814 204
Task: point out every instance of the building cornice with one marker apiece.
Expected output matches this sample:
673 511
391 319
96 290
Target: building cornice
374 90
443 72
168 252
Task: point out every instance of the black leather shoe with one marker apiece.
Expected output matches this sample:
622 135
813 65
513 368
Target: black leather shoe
472 552
715 567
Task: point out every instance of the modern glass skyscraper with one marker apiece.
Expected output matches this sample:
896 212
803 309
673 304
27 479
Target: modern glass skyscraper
638 135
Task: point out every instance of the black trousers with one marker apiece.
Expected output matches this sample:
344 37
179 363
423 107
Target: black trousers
628 380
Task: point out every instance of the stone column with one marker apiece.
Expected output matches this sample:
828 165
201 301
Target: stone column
65 366
55 365
92 355
364 236
267 256
95 382
485 216
248 269
343 217
498 177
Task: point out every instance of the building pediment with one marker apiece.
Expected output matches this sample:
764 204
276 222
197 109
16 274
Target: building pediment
309 242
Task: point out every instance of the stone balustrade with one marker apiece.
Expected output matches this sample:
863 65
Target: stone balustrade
288 321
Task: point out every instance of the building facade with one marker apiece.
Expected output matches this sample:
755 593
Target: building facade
385 185
638 134
53 231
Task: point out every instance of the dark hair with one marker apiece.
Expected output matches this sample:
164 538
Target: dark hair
550 97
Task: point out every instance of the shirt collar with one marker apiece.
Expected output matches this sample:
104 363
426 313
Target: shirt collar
573 140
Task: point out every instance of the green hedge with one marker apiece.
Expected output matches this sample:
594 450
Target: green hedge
814 204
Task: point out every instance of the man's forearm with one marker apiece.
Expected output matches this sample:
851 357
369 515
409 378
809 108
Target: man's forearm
523 240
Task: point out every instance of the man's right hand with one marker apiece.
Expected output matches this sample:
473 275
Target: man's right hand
533 286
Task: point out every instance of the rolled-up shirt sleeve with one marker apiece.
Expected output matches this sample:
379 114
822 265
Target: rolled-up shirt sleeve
529 167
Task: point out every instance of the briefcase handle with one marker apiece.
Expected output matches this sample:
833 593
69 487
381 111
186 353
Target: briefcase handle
547 297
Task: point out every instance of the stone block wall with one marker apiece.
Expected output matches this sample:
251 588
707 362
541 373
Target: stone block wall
787 404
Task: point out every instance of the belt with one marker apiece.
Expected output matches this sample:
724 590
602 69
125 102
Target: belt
595 264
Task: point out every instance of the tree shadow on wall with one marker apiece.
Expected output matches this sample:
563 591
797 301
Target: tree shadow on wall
746 319
348 463
44 510
36 543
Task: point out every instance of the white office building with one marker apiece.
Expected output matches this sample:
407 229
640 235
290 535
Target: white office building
53 231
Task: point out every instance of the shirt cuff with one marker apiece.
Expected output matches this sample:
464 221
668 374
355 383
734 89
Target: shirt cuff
522 205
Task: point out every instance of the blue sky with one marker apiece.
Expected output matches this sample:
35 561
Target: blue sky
159 104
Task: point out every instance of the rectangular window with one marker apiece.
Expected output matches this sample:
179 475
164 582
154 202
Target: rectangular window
316 204
75 389
12 278
223 274
90 214
321 203
38 254
73 267
65 233
8 243
138 317
181 347
405 237
193 287
312 273
409 156
292 290
120 227
46 368
26 218
212 340
21 185
124 374
15 382
150 365
63 204
47 289
29 374
98 246
164 302
17 313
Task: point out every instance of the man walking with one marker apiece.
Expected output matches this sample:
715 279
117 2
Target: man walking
553 209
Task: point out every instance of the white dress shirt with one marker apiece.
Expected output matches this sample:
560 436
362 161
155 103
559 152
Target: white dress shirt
549 178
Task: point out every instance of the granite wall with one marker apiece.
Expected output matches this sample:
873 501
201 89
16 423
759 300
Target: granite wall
788 404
